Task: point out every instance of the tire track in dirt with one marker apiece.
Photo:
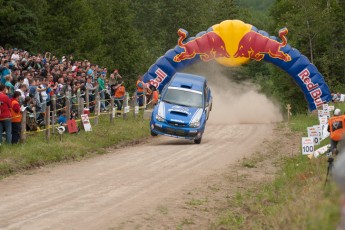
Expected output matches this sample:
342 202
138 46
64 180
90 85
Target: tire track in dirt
105 191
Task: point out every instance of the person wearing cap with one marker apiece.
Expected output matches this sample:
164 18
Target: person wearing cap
336 128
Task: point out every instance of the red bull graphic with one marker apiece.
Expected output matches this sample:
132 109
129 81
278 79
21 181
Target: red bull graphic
209 46
232 43
255 46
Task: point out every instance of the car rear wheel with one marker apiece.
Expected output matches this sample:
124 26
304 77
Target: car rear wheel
153 134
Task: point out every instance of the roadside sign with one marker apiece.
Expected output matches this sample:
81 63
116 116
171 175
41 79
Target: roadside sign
331 108
307 146
86 122
320 113
314 134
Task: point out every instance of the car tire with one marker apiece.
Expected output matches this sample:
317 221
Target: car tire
198 141
154 134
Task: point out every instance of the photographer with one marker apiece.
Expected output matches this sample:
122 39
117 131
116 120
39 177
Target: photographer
339 178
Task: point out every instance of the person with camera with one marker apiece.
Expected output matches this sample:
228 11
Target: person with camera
120 92
336 128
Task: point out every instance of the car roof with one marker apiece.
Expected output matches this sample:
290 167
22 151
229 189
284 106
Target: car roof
191 81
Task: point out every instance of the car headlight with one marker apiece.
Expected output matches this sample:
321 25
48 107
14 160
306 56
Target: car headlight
159 118
195 124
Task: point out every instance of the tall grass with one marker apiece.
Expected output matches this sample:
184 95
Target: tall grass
297 199
38 152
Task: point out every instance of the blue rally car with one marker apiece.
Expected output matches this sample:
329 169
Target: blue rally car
183 108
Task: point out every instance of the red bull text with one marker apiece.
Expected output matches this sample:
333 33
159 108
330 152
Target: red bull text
161 75
313 89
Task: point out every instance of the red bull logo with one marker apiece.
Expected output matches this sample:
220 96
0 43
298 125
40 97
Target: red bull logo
255 46
208 46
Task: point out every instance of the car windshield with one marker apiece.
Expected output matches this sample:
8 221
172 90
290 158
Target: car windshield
184 97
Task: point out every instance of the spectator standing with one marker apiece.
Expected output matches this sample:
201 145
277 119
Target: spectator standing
5 115
140 90
120 92
9 86
101 88
5 71
23 92
16 118
336 128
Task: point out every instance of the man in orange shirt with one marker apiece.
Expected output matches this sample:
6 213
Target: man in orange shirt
119 96
336 128
16 117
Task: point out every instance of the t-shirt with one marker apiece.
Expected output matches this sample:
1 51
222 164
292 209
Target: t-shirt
62 120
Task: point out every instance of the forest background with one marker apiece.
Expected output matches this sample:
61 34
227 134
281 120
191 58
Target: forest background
130 35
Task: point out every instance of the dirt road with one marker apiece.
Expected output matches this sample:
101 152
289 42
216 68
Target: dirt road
105 191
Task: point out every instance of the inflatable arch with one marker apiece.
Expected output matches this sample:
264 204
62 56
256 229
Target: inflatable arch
233 43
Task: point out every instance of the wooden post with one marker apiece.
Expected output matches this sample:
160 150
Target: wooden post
54 112
68 105
87 98
125 104
80 106
47 123
135 103
112 114
23 128
97 108
144 99
288 107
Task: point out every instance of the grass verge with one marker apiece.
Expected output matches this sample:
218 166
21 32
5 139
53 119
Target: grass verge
38 152
296 199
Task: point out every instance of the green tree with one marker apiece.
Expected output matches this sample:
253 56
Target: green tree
18 25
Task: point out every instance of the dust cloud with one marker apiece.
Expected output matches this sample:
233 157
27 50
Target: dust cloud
235 103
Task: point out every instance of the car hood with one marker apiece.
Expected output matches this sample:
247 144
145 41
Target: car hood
179 114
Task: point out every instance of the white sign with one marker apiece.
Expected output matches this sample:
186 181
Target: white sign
325 132
331 108
313 133
113 112
324 124
136 109
321 150
323 120
307 146
86 122
320 113
326 114
126 109
325 107
319 129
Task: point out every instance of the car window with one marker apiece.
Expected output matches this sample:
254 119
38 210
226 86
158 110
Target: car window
184 97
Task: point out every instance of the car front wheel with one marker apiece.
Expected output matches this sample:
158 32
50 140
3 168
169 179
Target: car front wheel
153 134
198 141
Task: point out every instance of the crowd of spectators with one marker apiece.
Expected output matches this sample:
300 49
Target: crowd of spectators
38 77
